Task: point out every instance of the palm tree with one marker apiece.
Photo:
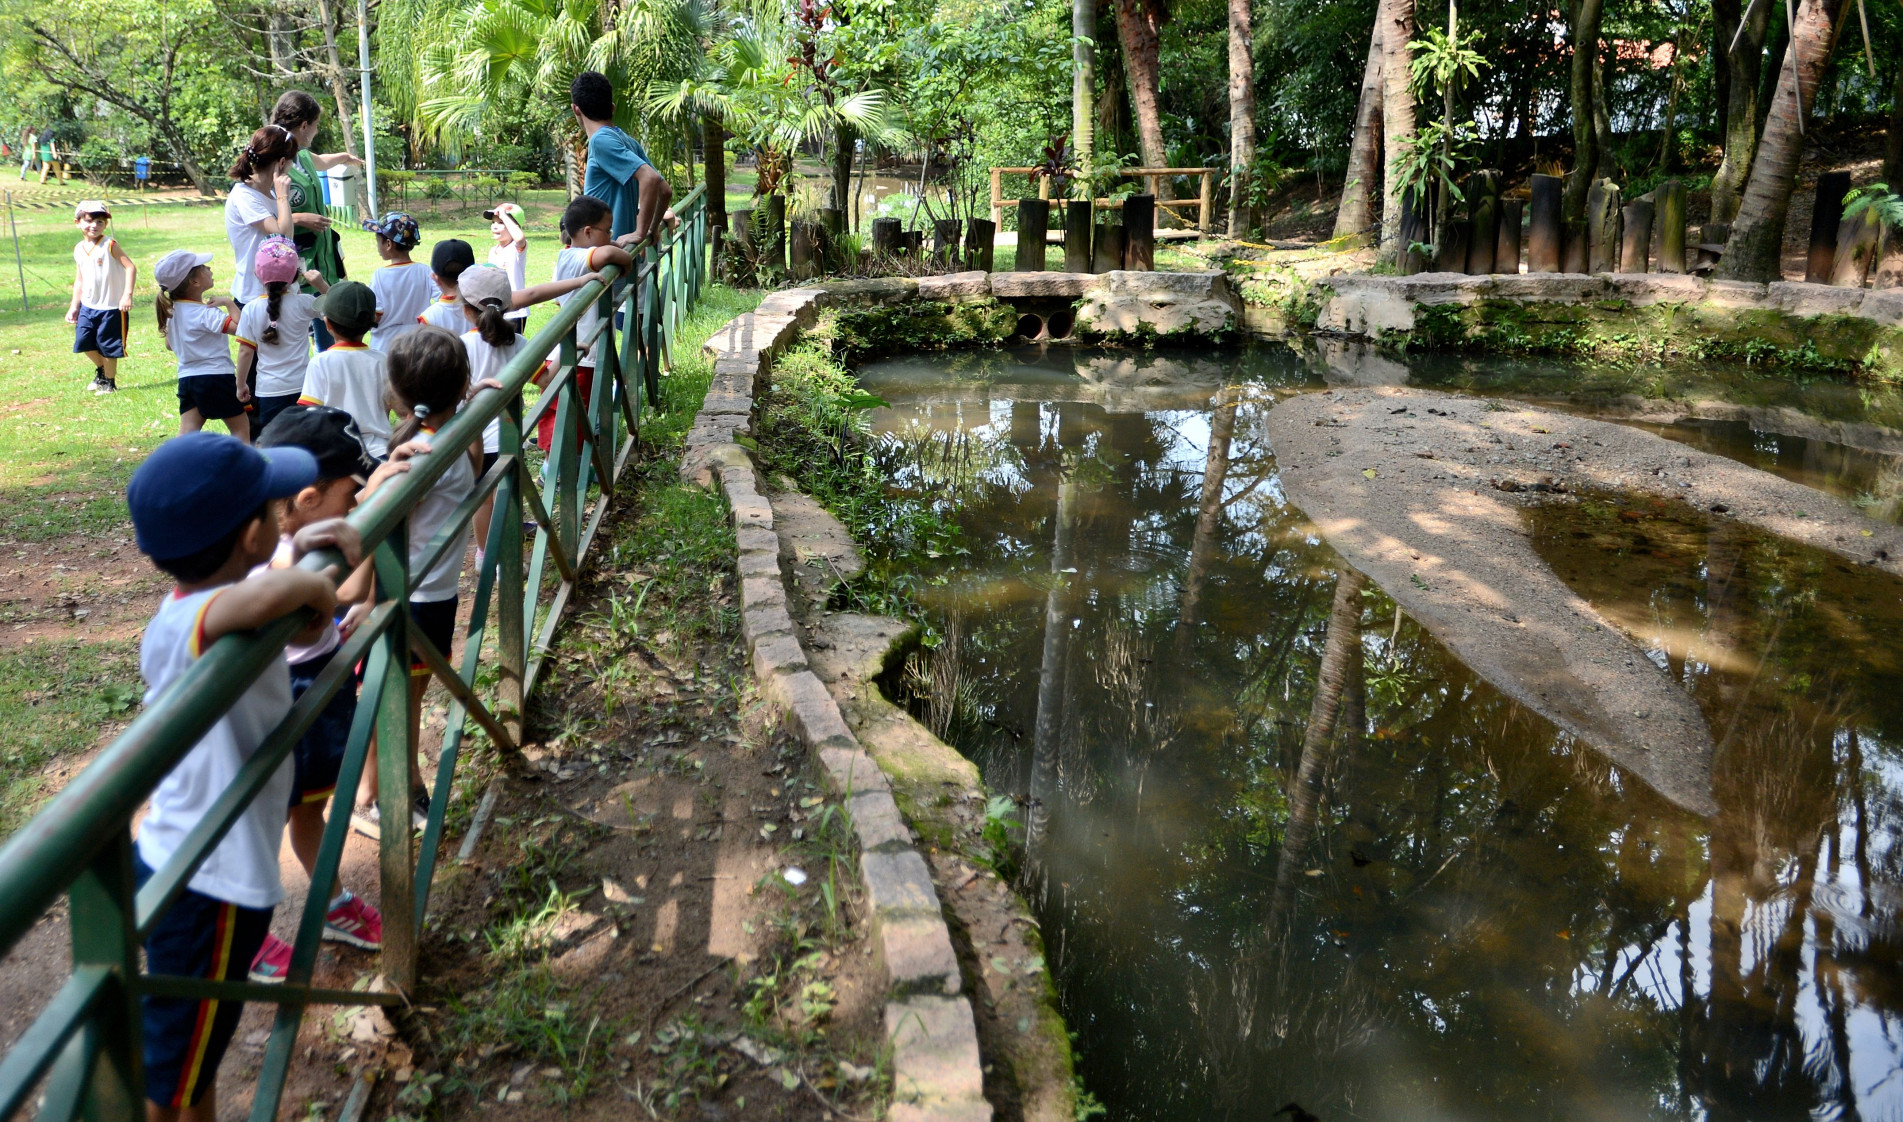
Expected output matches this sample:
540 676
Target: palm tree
1356 212
526 52
1394 24
1757 235
1241 114
1138 22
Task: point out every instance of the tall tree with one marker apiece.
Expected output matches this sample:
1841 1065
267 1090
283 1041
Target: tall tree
1241 114
1582 89
1739 68
1083 90
1394 23
1356 213
1893 141
1138 22
1756 244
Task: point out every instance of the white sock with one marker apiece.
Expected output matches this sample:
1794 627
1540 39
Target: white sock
340 900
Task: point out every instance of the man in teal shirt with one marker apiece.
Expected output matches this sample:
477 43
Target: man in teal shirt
618 170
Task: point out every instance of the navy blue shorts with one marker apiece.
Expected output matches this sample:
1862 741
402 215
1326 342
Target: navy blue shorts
271 406
215 396
102 330
185 1040
319 755
436 619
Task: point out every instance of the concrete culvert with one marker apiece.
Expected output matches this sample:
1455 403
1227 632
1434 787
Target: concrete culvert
1030 326
1059 324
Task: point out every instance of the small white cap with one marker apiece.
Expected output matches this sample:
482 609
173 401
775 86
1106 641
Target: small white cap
177 265
90 206
486 284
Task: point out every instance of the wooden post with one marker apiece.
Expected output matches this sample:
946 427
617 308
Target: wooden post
1575 250
1671 223
745 254
980 244
886 235
1546 237
1602 226
1506 250
1034 221
1109 246
997 197
1826 215
1856 250
1413 230
804 250
945 240
1450 256
776 231
1483 201
914 243
1635 244
1077 222
1139 233
1208 202
828 237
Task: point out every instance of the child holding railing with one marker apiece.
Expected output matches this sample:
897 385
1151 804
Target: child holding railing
204 510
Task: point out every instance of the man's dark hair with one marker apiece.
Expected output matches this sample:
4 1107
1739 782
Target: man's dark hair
585 210
195 567
591 93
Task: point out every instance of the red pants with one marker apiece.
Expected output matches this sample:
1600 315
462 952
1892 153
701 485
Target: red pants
585 389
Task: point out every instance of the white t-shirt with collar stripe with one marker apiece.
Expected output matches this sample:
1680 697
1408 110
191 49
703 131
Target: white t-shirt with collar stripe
349 376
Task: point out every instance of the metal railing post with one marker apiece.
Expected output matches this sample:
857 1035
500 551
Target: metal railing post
395 748
108 1059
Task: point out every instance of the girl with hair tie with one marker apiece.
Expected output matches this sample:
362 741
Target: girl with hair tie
259 205
317 244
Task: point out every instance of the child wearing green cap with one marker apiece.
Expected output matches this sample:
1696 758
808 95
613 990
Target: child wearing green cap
349 376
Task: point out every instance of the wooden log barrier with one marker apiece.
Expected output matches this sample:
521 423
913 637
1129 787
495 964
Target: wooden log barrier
1034 224
1450 255
945 233
1077 219
981 236
1826 216
1573 247
887 234
775 231
1546 236
1856 250
805 256
1635 244
1506 252
1139 233
1108 246
1483 203
1670 219
1603 224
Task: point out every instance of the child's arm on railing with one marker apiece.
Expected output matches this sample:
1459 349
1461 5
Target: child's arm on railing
257 600
542 293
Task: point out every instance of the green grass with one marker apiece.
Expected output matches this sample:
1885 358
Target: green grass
57 699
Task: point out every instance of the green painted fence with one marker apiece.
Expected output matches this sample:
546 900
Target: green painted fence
85 1044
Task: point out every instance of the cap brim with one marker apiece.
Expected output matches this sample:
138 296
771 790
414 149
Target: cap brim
289 469
201 259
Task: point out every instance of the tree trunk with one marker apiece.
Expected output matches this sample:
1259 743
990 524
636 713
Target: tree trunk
1757 235
1202 549
1341 651
1241 114
1740 104
845 140
182 152
1585 63
1396 22
1893 141
1137 22
1052 675
1356 213
1083 89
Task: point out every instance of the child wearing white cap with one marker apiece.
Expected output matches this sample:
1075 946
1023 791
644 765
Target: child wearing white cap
102 295
196 330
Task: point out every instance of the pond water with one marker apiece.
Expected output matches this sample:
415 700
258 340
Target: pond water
1472 915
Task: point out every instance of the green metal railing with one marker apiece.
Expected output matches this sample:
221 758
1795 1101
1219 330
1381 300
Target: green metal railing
85 1044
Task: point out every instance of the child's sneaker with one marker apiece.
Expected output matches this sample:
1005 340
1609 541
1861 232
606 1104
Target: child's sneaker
366 821
106 386
273 961
99 384
356 923
419 810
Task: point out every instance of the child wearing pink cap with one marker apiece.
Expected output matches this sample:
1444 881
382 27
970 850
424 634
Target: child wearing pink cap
274 331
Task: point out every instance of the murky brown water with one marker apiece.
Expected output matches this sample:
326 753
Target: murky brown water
1471 915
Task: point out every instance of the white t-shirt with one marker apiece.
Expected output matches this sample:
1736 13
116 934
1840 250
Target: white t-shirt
280 365
197 335
445 312
243 869
514 262
486 361
571 263
349 376
102 280
429 515
403 291
245 207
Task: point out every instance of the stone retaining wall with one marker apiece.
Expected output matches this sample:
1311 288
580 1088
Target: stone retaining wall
1847 327
938 1074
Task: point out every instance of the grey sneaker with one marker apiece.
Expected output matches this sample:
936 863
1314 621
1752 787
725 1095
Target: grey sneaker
366 821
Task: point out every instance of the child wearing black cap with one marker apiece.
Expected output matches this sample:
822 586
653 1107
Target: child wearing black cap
446 264
403 287
345 475
202 508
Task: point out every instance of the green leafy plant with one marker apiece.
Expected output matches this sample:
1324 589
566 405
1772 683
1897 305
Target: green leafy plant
1878 198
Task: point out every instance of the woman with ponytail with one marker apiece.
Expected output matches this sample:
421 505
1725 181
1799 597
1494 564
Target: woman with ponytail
428 380
259 205
274 330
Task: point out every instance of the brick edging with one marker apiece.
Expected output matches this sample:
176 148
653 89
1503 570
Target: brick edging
937 1073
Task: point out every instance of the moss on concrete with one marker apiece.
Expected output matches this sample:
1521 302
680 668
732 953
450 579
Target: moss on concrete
923 325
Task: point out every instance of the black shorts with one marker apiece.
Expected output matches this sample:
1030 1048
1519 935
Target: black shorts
215 396
102 330
185 1039
319 754
488 461
436 619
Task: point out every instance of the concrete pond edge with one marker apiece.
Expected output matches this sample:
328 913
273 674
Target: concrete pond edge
931 1028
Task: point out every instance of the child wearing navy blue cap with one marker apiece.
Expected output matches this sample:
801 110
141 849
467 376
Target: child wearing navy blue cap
203 509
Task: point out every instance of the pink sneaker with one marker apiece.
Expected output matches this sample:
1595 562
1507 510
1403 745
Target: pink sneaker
273 961
356 923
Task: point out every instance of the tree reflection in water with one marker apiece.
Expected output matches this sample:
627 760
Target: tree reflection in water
1445 907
